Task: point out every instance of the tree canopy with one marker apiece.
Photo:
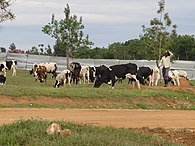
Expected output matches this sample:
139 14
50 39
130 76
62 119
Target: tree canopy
5 12
68 33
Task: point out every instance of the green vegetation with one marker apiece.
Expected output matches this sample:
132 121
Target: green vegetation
33 133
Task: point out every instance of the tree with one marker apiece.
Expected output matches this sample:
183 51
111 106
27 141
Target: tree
2 49
158 37
68 32
184 47
12 47
48 50
5 13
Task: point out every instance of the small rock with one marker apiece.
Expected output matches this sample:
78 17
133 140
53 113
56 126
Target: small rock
53 129
65 132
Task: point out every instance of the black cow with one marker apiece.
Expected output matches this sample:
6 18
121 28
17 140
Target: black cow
106 74
144 73
75 69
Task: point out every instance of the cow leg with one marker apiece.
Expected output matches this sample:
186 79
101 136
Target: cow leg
88 77
69 80
150 80
14 70
177 81
136 81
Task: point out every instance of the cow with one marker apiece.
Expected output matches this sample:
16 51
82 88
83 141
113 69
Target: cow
2 79
143 74
51 67
8 65
92 70
106 74
84 74
41 73
155 77
174 76
75 69
182 73
63 78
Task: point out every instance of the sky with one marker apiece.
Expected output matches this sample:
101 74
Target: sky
105 21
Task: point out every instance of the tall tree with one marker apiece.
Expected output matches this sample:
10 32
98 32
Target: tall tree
5 12
159 36
68 32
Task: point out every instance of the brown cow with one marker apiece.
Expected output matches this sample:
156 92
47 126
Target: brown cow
41 73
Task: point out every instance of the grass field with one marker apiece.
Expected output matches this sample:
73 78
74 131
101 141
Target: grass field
24 85
33 132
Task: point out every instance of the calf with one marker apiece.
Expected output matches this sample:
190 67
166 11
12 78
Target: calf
2 79
41 74
63 78
106 74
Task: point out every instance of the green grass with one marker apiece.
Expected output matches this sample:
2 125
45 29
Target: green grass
24 85
33 133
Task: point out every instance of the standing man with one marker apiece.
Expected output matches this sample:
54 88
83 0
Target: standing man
165 62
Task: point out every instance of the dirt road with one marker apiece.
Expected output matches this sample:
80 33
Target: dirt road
103 117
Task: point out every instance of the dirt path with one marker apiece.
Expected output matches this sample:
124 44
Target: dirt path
117 118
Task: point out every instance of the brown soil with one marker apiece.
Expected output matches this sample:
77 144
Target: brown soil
176 125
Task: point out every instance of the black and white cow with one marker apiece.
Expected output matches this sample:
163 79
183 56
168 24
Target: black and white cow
143 74
175 75
63 78
8 65
106 74
2 79
92 71
75 69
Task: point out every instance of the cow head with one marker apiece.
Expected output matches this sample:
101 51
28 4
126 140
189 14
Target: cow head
33 71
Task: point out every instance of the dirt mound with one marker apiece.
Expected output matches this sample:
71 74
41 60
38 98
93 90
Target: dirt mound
184 82
181 136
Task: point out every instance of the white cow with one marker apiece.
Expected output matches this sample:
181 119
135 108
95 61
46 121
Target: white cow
63 78
155 77
84 74
174 77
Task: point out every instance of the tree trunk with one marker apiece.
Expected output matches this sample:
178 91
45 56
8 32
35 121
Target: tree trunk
67 58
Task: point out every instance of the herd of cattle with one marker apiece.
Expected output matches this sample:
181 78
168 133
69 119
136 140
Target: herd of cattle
98 75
